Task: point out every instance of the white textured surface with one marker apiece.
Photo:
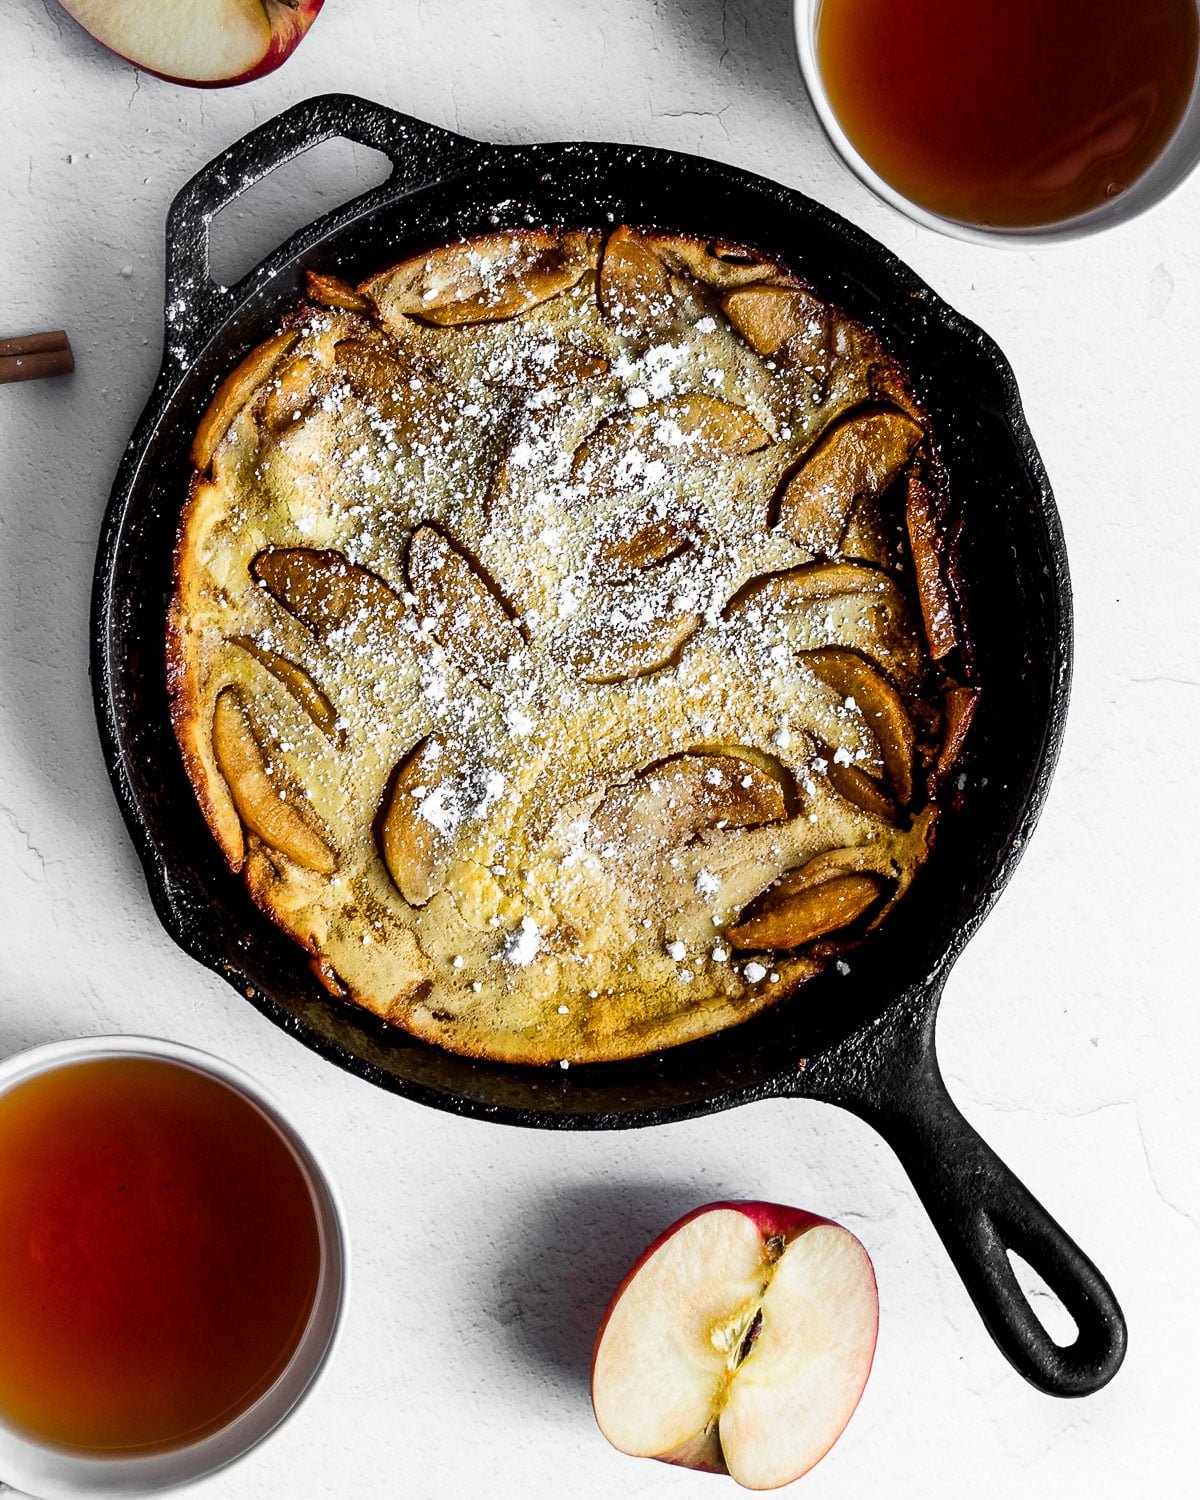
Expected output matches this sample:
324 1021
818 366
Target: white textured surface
1071 1031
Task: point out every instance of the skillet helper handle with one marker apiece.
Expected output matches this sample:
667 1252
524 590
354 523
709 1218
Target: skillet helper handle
196 305
982 1210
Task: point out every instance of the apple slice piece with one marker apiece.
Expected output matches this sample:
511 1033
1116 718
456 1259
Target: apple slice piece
814 583
632 284
297 681
671 802
634 546
290 394
327 592
638 649
768 316
959 704
936 609
332 291
284 821
740 1343
796 910
213 42
716 263
520 366
489 279
696 428
853 676
234 393
856 786
382 377
419 815
862 455
466 612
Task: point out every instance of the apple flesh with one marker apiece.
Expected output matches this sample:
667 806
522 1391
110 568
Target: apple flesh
740 1343
204 42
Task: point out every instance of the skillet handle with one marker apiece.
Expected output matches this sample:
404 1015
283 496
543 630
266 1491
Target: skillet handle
196 305
978 1206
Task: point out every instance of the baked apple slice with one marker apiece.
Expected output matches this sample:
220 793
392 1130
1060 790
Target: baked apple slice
668 804
861 456
332 291
881 706
798 909
768 316
958 713
487 280
234 394
279 818
635 546
716 263
327 592
297 681
859 788
632 284
464 608
936 608
420 812
814 583
696 428
606 656
290 394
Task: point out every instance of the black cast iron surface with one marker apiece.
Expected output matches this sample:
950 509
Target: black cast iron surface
863 1040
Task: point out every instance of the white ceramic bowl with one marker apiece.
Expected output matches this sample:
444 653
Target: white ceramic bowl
1178 158
49 1473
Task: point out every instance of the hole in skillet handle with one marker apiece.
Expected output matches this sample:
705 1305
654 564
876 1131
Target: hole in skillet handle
1051 1313
196 305
246 231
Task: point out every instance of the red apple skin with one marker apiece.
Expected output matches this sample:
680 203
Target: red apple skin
769 1219
288 29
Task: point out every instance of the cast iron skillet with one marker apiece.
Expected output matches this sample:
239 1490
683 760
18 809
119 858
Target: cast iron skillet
863 1040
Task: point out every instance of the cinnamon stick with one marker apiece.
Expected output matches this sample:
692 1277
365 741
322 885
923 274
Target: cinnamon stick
35 356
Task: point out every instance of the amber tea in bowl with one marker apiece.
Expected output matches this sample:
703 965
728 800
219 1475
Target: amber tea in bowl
1019 118
170 1267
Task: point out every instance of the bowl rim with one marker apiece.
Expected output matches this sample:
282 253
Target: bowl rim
1170 169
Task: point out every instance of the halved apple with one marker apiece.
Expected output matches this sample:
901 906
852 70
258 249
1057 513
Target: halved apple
740 1343
205 42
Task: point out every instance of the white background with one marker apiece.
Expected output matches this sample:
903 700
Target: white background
484 1255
